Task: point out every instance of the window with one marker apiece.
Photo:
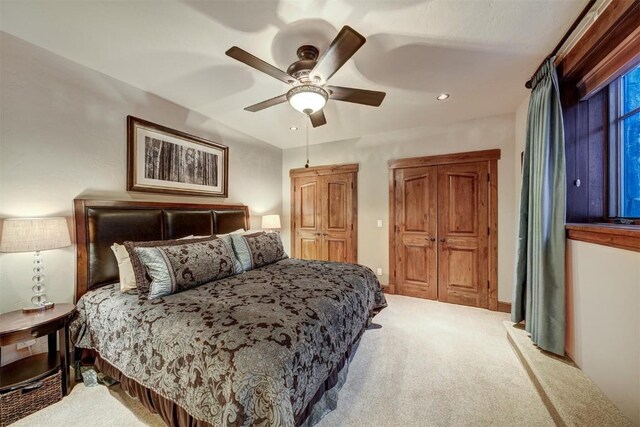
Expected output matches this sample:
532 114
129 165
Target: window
624 197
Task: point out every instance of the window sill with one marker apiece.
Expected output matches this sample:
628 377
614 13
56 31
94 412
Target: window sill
615 235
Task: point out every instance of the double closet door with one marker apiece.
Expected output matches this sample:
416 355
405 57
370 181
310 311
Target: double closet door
324 213
442 231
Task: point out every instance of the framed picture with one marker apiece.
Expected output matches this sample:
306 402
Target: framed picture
163 160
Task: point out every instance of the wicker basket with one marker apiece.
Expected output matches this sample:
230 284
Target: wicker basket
32 397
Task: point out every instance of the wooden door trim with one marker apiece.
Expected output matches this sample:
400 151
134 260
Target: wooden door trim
391 286
493 235
491 156
325 170
445 159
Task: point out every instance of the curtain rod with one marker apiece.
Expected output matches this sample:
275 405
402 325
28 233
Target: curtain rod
579 19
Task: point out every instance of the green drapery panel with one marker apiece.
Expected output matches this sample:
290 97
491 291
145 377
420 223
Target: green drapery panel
539 295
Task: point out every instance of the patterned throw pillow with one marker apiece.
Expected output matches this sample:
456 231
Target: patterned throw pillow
258 249
166 267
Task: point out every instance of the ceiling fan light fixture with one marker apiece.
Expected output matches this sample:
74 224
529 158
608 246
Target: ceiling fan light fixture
307 98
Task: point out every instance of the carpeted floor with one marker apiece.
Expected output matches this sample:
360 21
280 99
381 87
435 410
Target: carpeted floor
430 364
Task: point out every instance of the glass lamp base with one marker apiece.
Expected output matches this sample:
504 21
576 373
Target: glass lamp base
45 306
39 299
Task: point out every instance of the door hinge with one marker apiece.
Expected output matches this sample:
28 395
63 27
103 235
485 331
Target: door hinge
352 185
488 284
352 227
488 231
488 177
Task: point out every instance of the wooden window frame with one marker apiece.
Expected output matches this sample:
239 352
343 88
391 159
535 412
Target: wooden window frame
609 49
614 171
613 235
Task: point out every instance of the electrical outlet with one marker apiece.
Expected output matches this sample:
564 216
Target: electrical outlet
379 223
25 344
379 271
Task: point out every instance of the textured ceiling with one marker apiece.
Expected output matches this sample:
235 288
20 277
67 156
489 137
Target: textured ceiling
481 52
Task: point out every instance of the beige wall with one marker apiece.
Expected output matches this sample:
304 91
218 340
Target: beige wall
63 136
373 152
603 291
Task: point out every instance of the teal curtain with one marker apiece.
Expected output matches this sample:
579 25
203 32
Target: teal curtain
539 297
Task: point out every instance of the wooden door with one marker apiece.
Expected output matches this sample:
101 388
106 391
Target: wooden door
338 217
324 213
416 231
463 231
307 221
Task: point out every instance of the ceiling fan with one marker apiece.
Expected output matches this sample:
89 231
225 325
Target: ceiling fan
309 74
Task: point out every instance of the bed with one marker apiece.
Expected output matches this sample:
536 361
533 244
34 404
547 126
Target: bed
266 347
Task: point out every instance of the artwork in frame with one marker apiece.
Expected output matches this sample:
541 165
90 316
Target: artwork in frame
164 160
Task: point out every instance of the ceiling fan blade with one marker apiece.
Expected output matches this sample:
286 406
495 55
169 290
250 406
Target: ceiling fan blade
318 118
346 43
357 96
252 61
266 104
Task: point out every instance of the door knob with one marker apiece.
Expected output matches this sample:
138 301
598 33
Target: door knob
433 239
442 240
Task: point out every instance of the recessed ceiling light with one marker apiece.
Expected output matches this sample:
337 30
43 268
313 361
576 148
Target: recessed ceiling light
293 127
442 96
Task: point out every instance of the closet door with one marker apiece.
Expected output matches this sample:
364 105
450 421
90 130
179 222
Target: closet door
416 228
463 233
307 221
324 223
338 217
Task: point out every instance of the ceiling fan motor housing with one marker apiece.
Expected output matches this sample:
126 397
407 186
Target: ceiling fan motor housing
308 58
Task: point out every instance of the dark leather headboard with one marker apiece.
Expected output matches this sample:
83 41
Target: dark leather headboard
100 223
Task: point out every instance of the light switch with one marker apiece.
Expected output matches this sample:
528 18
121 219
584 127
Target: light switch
379 223
379 271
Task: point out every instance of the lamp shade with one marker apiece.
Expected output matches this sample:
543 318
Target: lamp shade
34 234
271 221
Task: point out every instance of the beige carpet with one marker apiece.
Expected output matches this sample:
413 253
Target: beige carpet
431 364
571 397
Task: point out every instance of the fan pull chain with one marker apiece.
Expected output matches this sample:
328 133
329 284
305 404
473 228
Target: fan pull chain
307 132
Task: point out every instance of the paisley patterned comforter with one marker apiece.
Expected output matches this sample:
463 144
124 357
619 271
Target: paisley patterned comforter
251 349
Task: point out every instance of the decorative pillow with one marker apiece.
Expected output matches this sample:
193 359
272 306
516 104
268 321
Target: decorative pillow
169 266
125 269
258 249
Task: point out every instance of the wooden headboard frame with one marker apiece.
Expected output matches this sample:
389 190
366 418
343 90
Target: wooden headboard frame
81 207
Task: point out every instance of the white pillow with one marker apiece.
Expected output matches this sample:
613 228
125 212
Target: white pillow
238 231
125 268
192 237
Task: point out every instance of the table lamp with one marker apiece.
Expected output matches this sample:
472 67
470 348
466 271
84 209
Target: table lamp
271 222
35 235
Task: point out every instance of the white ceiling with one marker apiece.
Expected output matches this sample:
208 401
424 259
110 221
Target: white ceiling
481 52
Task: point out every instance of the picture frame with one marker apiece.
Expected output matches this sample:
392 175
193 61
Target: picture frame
165 160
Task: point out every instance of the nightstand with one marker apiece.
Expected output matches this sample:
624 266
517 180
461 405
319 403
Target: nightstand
17 326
